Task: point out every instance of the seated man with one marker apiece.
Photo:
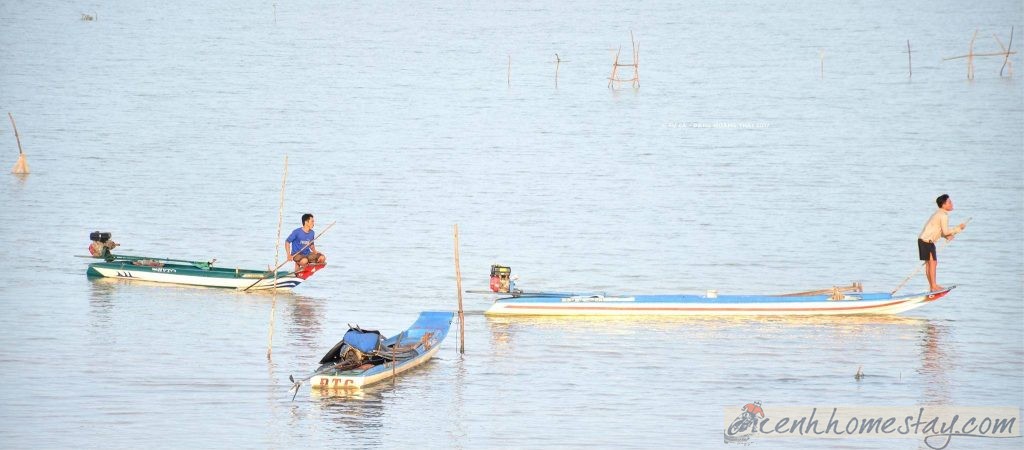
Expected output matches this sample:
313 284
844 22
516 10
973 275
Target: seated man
300 246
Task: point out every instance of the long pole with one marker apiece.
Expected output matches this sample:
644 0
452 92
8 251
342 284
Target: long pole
277 254
458 286
905 280
910 62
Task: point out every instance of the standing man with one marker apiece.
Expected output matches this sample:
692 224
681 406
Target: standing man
300 246
936 227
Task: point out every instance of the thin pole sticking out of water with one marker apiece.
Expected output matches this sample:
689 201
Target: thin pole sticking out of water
910 65
821 54
508 78
558 61
277 247
275 13
458 286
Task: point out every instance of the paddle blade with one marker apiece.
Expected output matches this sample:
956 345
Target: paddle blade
21 167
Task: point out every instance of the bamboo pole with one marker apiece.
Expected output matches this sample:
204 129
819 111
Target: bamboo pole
277 253
615 69
821 55
458 286
910 64
1006 53
20 167
970 58
558 61
636 61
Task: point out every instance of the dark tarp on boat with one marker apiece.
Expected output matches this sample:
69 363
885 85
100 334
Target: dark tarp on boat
365 342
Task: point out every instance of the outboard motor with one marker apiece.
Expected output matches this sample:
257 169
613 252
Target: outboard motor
101 245
500 278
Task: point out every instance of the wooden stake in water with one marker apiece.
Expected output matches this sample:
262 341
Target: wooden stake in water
458 287
20 167
910 64
277 253
558 61
508 78
821 54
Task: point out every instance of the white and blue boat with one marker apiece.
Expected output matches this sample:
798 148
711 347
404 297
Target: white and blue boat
835 301
364 357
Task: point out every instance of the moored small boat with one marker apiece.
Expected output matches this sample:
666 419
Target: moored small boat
197 273
835 302
364 357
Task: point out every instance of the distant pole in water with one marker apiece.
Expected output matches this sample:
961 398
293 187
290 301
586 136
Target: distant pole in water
910 64
277 250
821 54
20 167
558 61
970 55
458 287
614 80
1006 53
275 13
970 58
508 78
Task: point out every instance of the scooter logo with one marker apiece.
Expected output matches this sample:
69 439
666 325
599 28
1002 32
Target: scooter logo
745 423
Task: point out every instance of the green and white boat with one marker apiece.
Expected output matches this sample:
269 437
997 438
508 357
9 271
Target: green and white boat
197 273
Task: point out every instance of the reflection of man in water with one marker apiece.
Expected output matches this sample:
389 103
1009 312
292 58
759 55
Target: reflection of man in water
753 410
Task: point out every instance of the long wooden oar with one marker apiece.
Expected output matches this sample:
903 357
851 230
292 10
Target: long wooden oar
286 261
905 280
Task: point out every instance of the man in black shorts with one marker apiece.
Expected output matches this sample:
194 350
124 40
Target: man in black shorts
936 227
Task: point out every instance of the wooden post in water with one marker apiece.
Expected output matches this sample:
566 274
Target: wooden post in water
277 249
458 286
508 78
821 55
1006 53
20 167
558 61
970 55
970 58
613 80
910 65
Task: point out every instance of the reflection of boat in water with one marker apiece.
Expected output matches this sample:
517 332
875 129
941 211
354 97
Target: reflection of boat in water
817 303
364 357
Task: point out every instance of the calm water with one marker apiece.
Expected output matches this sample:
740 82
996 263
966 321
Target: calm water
736 166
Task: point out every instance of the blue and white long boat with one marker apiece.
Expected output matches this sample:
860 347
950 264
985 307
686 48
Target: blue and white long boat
836 301
364 357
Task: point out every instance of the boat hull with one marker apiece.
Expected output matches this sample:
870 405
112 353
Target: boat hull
694 305
429 331
219 277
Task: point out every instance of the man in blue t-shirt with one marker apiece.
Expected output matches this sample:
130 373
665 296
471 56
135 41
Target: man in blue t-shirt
300 246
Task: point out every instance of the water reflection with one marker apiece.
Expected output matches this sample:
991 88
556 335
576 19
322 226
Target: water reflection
936 363
358 413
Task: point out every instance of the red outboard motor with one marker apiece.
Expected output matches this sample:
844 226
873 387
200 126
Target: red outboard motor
500 278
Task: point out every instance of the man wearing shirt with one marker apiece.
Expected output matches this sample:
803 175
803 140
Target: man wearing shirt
300 246
936 227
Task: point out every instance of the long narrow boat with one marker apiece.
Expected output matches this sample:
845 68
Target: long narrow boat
364 357
834 302
197 273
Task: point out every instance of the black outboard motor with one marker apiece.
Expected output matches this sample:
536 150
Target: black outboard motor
101 245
